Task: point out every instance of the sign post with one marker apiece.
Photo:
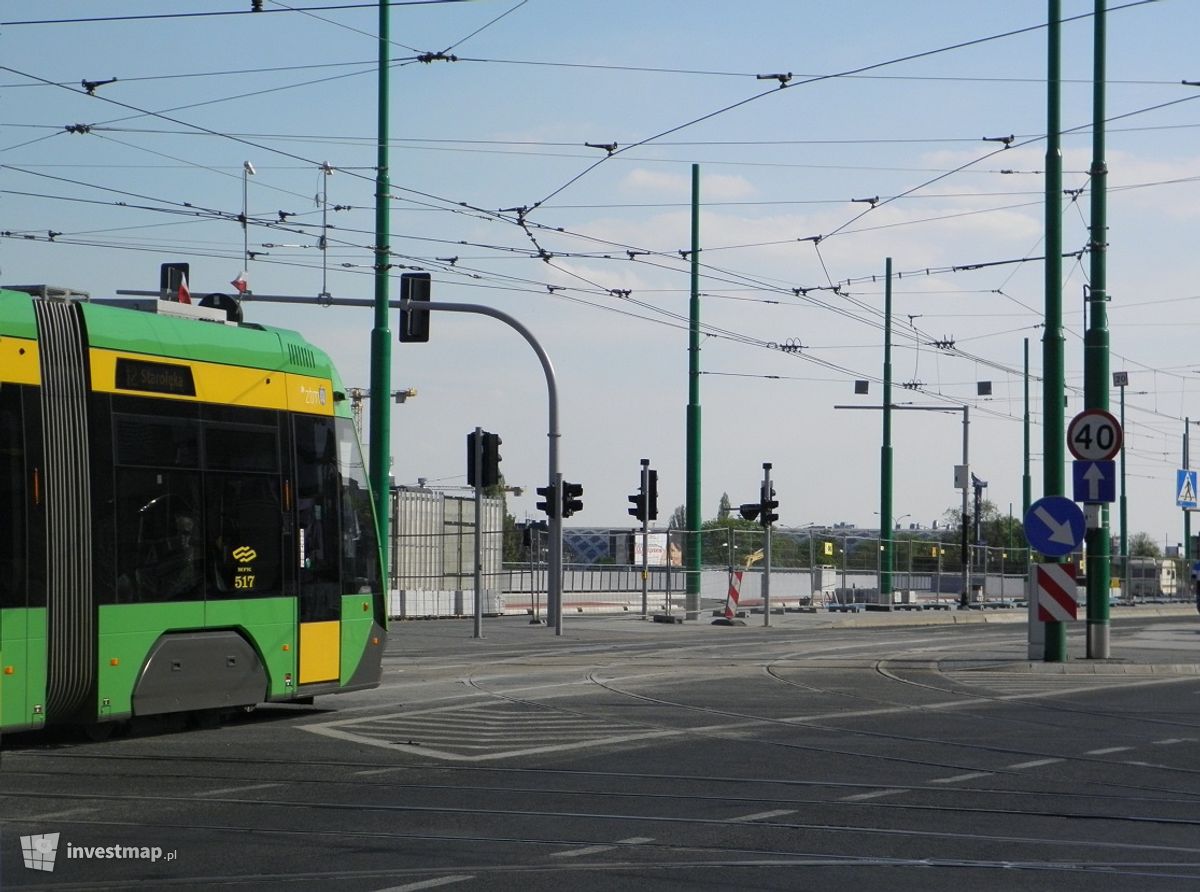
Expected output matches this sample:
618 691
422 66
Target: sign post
1054 526
1094 438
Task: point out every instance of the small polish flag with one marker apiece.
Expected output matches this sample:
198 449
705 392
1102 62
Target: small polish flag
240 282
185 296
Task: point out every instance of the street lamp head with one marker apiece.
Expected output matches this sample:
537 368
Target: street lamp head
248 168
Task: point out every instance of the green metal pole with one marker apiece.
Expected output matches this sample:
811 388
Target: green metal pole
1124 511
1096 349
1026 479
885 453
1187 515
1054 380
692 596
381 336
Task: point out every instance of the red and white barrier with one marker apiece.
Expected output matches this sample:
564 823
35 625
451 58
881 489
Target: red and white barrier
735 593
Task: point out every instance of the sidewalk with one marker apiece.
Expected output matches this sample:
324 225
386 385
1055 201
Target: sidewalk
1144 640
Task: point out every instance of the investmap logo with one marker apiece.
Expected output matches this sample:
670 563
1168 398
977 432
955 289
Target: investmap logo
39 850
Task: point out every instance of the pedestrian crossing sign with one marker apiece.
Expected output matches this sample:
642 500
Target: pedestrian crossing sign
1185 489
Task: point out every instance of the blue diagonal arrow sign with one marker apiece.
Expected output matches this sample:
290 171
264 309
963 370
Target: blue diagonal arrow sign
1055 526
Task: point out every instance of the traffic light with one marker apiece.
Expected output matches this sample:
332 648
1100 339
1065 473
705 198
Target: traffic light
749 510
767 515
532 533
548 504
652 495
491 459
639 506
414 323
572 498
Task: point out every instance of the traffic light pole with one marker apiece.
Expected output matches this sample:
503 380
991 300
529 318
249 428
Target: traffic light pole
477 461
766 580
380 457
646 537
554 582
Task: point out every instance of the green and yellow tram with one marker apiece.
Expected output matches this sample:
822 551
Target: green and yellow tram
185 520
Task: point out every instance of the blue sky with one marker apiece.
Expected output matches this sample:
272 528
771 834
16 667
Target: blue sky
505 126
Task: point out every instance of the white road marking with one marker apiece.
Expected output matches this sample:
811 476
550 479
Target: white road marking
428 884
763 815
592 850
224 790
377 771
961 777
873 795
60 814
1107 750
1170 740
1036 763
329 730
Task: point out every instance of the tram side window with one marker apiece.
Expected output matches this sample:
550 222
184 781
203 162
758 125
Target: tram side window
12 499
317 513
157 442
160 554
244 518
159 518
360 543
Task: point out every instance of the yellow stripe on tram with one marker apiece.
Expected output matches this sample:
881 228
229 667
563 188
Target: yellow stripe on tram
225 384
320 655
19 361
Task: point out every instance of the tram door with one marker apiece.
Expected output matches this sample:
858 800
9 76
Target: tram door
318 537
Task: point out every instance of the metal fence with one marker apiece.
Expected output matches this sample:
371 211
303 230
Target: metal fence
432 568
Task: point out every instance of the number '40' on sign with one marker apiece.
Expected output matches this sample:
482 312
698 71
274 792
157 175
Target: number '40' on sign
1094 435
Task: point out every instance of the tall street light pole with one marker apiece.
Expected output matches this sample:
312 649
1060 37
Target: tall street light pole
1096 349
1054 374
885 454
247 172
693 475
381 337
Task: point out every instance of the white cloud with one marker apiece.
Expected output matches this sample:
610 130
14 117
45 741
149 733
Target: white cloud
713 187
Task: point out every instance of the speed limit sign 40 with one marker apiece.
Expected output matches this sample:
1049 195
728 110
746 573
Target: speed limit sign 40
1094 435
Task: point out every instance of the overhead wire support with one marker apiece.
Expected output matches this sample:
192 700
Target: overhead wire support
90 86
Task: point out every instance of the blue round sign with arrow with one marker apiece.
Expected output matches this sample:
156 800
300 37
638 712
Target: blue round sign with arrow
1055 526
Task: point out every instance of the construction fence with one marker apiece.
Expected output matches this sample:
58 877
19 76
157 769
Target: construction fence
432 567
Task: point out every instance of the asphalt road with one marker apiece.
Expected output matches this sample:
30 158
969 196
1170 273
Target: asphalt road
864 753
